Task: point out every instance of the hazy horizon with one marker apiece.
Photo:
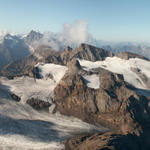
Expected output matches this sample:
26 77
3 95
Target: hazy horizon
107 20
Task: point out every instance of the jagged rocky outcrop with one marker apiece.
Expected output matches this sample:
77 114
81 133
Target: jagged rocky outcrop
114 105
38 104
106 141
15 97
25 65
32 37
91 53
20 67
84 51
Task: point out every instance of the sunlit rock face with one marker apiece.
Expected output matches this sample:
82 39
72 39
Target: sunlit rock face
109 101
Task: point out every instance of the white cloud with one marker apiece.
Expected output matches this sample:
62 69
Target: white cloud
76 33
71 35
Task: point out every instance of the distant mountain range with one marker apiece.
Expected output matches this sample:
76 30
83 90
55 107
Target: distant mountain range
141 49
15 47
12 48
24 66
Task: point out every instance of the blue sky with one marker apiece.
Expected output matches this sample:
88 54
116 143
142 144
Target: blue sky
110 20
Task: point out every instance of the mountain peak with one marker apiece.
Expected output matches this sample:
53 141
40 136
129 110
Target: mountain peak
33 36
68 48
33 32
9 36
84 45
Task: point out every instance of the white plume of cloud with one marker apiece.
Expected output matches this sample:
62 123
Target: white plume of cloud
72 35
76 33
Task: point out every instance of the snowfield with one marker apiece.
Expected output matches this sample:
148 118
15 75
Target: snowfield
56 71
124 67
26 87
135 71
23 128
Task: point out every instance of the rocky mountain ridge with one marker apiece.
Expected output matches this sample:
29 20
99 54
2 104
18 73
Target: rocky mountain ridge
114 104
12 48
113 97
15 47
96 95
25 65
46 54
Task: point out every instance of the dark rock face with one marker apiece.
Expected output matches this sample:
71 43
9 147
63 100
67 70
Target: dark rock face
91 53
38 104
106 141
15 97
36 73
20 67
11 49
84 51
33 36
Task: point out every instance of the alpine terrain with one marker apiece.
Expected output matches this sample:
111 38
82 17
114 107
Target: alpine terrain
82 98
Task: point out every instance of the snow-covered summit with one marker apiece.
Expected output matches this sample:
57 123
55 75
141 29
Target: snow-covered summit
135 71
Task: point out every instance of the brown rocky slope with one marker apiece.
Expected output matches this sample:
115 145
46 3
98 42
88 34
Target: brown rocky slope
48 55
115 105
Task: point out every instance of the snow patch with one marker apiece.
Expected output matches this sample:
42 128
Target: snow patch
27 87
121 66
56 71
92 81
